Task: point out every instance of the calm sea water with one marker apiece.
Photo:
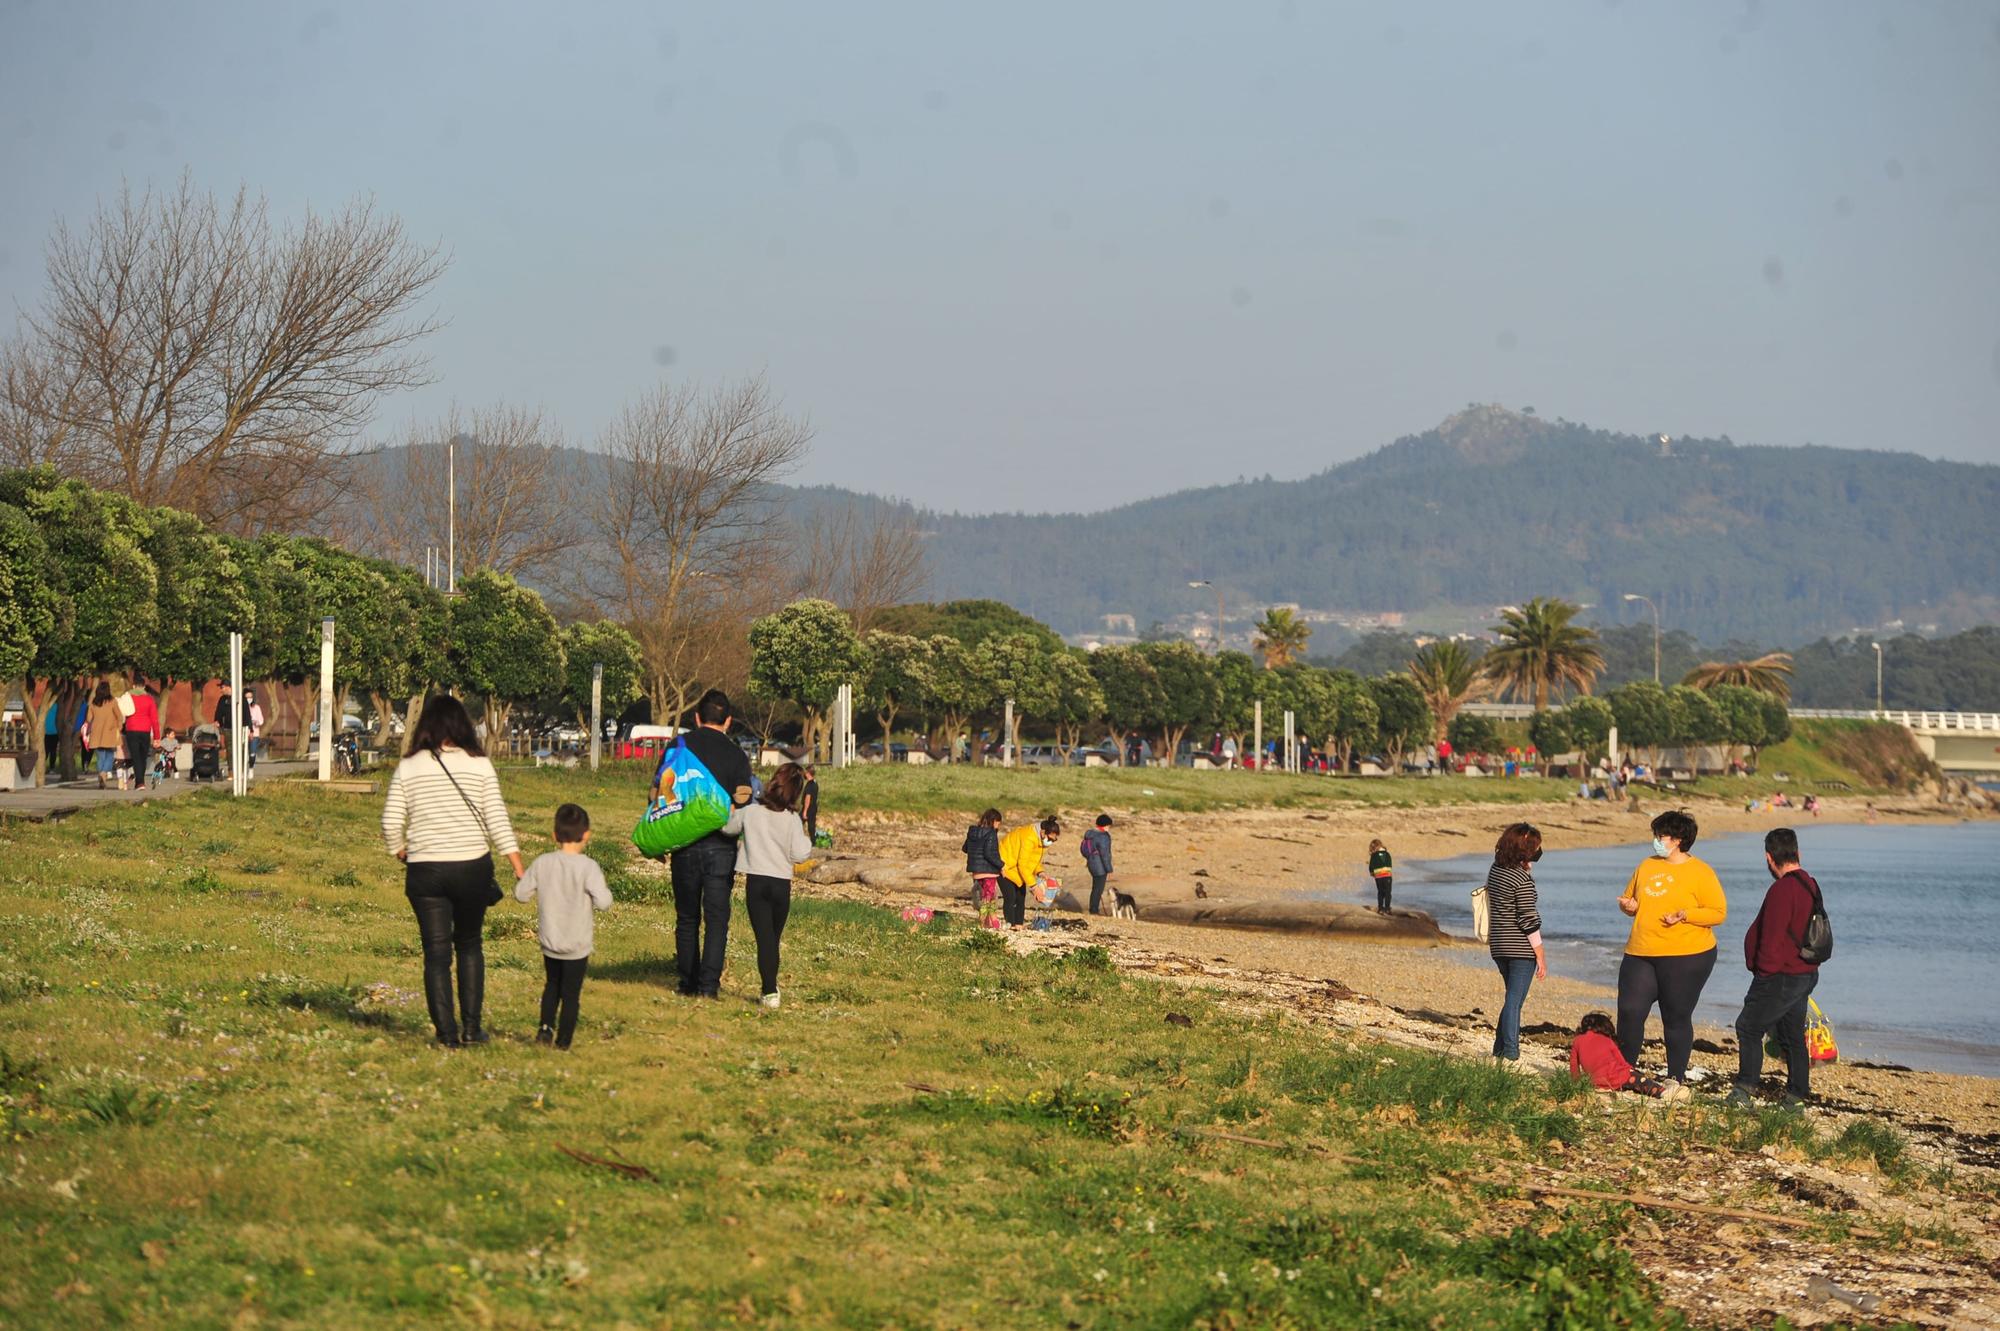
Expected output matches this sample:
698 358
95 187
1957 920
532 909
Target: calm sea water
1916 920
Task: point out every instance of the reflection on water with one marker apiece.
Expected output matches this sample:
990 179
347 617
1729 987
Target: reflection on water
1916 920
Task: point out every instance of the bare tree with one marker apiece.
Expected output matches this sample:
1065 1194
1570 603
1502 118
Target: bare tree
862 563
684 524
219 362
517 500
40 401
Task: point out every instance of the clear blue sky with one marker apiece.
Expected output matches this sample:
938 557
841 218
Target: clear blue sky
1055 257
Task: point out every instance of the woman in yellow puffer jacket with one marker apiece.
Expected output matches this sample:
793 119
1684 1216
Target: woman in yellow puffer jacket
1021 852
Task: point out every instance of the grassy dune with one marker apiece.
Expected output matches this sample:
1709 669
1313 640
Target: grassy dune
221 1109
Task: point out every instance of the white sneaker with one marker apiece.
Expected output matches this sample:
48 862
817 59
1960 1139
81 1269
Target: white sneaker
768 1000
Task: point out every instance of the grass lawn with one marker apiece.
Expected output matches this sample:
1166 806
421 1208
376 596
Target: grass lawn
221 1109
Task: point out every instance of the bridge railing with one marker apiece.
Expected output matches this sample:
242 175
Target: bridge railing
1915 720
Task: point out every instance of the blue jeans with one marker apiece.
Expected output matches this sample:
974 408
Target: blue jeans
1775 1004
1517 973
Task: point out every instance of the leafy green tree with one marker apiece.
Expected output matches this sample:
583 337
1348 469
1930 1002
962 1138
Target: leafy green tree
1236 693
1742 712
971 622
1549 731
1541 651
1473 733
1696 719
412 653
27 604
102 588
1645 719
1186 694
1403 719
204 595
305 581
957 689
1777 723
1314 700
1078 700
1281 637
1357 719
1448 676
1016 666
1589 720
589 643
900 668
802 654
1132 690
505 646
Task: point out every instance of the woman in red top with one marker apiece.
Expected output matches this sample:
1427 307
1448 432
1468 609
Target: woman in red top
142 731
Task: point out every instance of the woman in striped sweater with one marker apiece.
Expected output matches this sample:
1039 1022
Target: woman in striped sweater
1514 930
443 818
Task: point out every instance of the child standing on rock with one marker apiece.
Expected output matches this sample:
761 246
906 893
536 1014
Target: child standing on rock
1383 870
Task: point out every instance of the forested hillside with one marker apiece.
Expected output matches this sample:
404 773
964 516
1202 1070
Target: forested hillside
1755 543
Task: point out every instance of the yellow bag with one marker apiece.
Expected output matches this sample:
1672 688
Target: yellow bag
1820 1046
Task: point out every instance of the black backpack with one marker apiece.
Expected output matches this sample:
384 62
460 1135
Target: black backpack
1816 944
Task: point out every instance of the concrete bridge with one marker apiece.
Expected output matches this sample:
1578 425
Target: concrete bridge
1966 743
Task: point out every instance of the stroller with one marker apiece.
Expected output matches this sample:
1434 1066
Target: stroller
207 745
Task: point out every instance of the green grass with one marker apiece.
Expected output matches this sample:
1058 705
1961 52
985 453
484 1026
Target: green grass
220 1107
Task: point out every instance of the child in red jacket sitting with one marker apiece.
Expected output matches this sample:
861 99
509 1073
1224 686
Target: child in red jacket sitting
1594 1054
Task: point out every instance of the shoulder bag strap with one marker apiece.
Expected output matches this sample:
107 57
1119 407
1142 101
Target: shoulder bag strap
437 756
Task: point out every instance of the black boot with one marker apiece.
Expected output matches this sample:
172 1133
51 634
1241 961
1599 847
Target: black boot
471 993
437 997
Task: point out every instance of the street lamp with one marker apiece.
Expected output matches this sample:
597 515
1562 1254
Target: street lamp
1634 596
1878 675
1218 610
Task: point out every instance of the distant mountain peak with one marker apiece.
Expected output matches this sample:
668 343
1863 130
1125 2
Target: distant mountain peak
1489 432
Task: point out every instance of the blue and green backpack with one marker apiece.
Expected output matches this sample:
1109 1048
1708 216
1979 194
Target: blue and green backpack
688 803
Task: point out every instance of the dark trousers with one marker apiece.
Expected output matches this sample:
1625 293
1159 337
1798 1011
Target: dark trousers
1674 983
562 986
1013 901
767 900
704 874
1517 974
1383 887
1097 892
1775 1004
450 899
139 752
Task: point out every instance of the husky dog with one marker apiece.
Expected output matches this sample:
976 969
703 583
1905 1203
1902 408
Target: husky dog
1127 908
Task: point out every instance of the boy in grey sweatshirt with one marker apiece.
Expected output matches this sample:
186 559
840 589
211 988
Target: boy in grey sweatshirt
570 886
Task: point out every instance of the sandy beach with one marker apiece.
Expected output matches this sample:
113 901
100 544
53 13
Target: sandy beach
1411 992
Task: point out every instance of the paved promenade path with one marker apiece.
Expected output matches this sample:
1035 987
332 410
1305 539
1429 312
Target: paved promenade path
60 800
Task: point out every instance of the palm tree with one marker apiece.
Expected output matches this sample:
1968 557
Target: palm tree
1448 677
1770 673
1281 636
1541 650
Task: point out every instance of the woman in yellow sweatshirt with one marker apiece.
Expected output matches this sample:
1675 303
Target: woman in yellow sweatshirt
1021 852
1675 902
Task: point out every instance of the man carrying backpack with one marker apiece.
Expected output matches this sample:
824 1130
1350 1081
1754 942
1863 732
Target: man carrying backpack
1783 950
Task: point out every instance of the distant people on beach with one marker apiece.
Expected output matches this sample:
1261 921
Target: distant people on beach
142 732
1097 860
104 731
1382 868
1782 978
982 859
1594 1053
1021 854
1675 902
1514 930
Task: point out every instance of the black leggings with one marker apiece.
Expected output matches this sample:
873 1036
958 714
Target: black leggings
563 984
767 900
1674 983
1013 901
1097 893
450 900
1383 886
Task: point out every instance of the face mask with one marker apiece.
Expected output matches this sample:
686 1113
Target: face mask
1660 847
1535 858
1046 842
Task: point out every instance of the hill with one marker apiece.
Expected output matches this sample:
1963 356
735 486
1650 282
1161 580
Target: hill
1493 506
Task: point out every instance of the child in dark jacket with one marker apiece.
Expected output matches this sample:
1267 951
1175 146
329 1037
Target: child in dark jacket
1097 859
1595 1054
982 858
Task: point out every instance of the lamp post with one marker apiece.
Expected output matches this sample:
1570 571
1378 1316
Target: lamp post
1634 596
1878 676
1218 611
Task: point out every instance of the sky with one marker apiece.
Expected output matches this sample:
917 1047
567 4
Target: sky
1058 257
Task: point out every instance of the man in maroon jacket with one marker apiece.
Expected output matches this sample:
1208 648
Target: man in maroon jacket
1781 980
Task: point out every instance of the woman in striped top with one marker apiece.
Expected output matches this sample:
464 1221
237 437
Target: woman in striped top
443 818
1514 930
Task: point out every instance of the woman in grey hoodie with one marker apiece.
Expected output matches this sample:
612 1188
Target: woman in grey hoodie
774 841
